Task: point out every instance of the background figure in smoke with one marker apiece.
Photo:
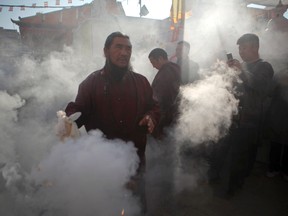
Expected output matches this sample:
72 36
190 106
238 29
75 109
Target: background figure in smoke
165 89
189 68
275 37
245 134
118 101
277 127
278 21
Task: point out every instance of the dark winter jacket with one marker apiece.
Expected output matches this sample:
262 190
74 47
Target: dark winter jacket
115 107
165 91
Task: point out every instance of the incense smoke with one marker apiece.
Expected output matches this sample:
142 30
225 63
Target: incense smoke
35 91
207 107
87 175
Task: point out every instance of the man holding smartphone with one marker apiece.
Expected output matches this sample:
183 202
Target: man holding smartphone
242 142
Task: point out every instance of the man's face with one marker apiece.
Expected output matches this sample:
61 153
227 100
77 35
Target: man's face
248 52
178 51
181 51
119 52
156 63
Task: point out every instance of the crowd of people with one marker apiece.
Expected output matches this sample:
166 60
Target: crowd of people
124 105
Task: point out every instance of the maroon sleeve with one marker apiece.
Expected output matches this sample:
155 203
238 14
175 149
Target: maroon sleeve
82 102
149 105
166 86
154 109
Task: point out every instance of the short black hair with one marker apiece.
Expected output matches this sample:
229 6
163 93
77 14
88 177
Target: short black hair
111 37
158 52
249 38
185 43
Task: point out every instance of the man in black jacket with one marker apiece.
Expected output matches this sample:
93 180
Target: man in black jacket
240 146
189 68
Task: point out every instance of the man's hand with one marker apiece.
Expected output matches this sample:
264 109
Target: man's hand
66 127
147 121
234 63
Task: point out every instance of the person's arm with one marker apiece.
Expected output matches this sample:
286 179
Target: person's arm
82 102
152 115
194 71
167 88
67 125
260 80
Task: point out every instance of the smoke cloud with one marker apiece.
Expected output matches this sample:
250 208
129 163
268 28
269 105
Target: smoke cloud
33 91
87 176
207 107
40 176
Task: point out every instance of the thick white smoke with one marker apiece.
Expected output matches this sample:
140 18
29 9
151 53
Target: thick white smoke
207 106
87 177
206 111
32 92
82 177
8 118
214 29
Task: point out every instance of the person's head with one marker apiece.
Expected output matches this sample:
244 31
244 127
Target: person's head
117 50
248 47
158 57
279 10
182 49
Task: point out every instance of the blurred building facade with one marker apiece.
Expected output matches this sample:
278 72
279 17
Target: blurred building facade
84 27
9 41
10 47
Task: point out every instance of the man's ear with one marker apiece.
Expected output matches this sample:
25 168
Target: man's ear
160 59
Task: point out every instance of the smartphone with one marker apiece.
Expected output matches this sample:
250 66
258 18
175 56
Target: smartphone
229 56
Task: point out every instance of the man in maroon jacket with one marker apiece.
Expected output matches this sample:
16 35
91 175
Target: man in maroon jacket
117 100
165 87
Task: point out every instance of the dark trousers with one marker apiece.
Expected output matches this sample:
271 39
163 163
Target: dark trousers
234 159
140 181
278 158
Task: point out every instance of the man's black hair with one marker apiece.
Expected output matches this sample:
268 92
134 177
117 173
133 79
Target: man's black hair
111 37
249 38
158 52
185 43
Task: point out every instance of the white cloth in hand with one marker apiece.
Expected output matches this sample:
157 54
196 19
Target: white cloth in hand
66 126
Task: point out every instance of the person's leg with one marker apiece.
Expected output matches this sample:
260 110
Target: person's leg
252 148
217 160
137 185
224 186
284 161
141 186
274 159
